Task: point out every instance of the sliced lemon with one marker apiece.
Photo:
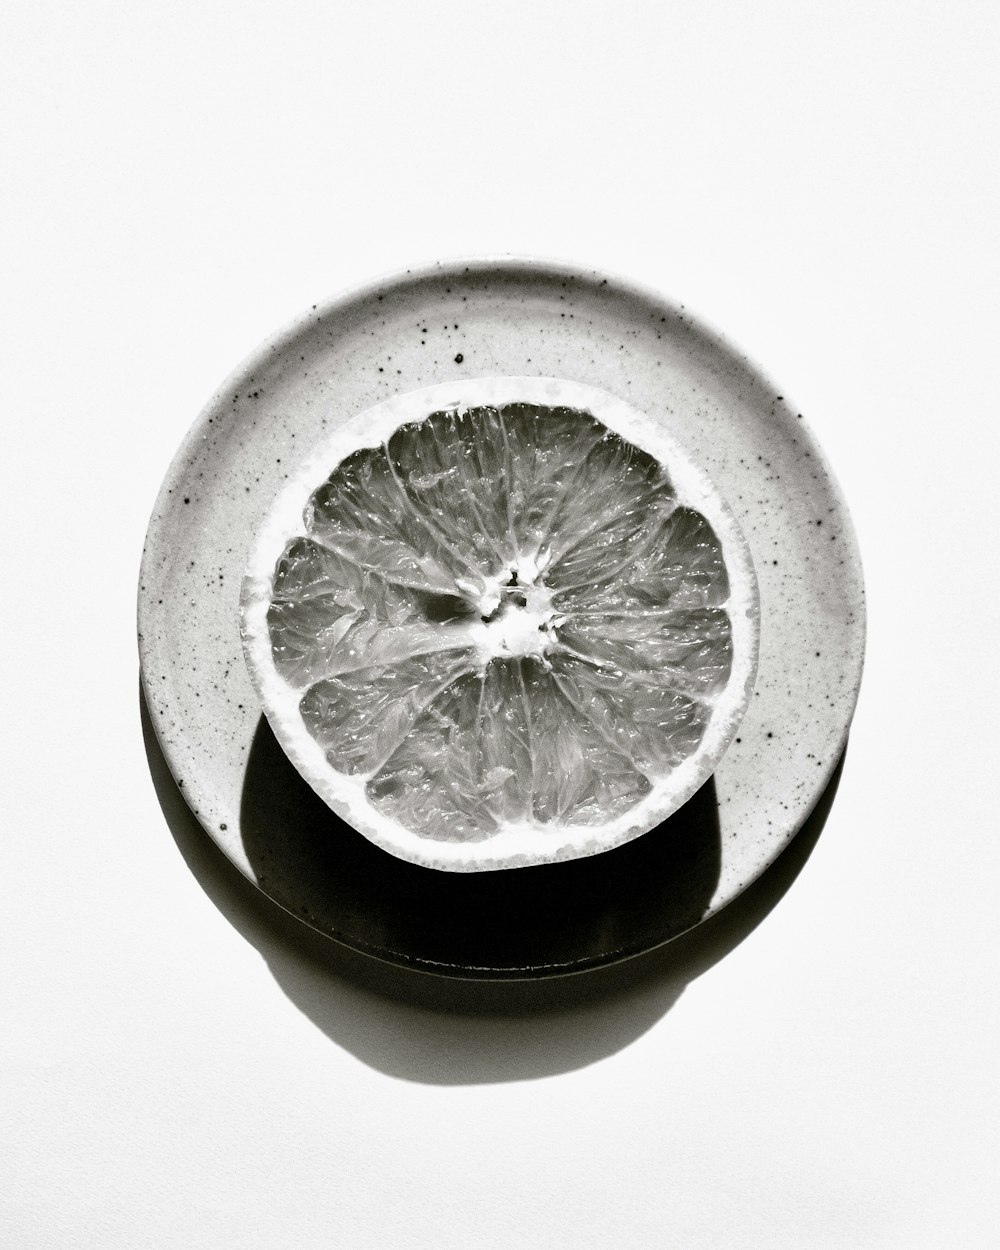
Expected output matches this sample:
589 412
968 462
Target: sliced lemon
501 622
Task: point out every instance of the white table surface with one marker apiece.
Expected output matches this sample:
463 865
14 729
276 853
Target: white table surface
181 1067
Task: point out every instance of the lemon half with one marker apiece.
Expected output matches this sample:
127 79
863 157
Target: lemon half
501 622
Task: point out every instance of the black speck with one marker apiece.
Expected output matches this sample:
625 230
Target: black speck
459 358
770 734
223 827
187 498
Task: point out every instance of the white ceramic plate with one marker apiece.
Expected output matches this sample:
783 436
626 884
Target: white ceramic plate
494 317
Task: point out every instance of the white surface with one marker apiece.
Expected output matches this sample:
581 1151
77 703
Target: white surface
818 181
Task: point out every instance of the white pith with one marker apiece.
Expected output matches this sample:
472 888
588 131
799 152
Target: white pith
516 630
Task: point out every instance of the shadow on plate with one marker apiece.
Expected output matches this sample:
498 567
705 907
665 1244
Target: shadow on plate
471 1026
530 922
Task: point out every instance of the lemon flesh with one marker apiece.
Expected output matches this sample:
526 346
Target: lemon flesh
501 623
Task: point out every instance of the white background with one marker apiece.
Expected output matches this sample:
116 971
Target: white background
181 1068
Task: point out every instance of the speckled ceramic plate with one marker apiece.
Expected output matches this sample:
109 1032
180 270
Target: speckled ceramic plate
500 317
